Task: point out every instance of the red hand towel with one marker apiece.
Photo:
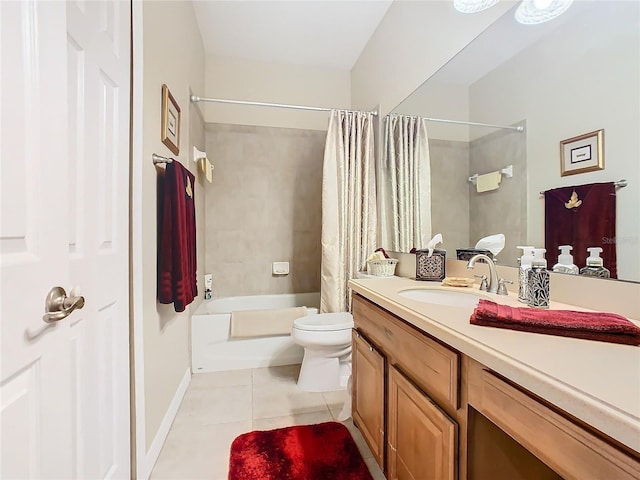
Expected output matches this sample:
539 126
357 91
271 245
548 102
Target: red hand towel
603 327
592 224
177 238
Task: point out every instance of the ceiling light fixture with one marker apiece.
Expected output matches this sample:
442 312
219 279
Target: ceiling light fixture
473 6
532 12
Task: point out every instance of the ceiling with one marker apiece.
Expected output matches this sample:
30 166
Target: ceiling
316 33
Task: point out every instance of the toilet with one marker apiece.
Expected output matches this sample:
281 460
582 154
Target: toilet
326 339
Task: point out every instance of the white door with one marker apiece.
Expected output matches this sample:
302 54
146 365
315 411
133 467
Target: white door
64 193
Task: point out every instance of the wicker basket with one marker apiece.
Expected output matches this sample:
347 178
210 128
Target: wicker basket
382 268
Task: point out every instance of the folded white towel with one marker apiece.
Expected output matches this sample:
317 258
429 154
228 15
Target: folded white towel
260 323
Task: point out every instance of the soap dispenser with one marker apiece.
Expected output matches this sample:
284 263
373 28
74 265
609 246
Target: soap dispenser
538 280
595 265
523 273
565 261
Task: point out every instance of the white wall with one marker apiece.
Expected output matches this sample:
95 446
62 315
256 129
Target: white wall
440 100
411 43
565 87
172 54
236 79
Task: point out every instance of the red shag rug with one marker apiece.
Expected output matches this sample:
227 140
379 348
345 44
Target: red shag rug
324 451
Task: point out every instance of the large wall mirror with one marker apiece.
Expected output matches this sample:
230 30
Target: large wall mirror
573 75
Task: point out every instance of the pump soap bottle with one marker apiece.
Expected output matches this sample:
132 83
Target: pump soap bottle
595 266
523 273
565 261
538 283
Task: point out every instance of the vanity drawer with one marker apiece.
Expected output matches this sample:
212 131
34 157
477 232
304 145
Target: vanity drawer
431 365
569 449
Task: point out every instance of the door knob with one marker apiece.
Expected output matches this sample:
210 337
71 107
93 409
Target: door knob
58 306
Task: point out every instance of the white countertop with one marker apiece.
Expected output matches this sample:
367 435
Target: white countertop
597 382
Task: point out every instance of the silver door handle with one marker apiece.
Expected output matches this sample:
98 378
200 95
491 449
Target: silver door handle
58 306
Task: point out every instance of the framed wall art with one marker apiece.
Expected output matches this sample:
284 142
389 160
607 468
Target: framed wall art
581 154
170 134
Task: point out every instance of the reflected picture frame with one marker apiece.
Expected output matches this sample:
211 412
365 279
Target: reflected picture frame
170 128
581 154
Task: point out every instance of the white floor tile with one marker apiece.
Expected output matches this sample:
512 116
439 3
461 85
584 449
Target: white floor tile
229 378
287 374
215 405
374 469
219 406
290 420
335 400
283 400
198 452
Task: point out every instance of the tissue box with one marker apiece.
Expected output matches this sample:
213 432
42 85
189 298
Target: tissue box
431 268
466 253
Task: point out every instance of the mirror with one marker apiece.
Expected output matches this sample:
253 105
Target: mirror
573 75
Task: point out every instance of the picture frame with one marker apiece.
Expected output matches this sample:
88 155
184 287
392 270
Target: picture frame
581 154
170 129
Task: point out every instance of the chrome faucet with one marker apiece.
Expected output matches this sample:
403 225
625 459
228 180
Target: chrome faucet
492 286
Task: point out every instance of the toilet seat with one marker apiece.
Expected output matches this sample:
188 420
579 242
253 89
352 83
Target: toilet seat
324 322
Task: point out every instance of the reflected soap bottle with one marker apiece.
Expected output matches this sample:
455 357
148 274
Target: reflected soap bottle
538 280
565 261
595 264
208 286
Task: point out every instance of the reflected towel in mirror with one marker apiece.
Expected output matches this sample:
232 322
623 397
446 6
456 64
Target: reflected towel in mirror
488 181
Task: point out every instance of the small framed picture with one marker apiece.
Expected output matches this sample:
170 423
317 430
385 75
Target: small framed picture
170 134
581 154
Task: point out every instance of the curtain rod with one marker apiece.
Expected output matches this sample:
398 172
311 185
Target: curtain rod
157 159
619 184
519 128
196 99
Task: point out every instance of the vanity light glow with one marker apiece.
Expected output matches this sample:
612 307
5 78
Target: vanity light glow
473 6
533 12
529 12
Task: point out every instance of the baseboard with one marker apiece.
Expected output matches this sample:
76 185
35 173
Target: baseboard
154 451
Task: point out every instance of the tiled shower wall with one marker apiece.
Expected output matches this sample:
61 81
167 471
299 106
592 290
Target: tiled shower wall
449 193
503 210
462 214
264 205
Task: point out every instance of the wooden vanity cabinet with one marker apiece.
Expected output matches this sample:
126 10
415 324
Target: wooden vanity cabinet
368 374
444 416
409 432
422 439
568 447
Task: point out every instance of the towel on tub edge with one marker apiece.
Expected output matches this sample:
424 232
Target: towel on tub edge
260 323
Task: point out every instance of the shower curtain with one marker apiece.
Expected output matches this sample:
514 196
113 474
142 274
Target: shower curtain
348 205
404 184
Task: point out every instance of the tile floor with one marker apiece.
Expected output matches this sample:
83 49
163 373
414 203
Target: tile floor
219 406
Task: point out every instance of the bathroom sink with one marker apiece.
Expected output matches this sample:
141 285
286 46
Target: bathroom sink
442 297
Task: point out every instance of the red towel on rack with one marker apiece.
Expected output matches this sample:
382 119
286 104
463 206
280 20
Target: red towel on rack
603 327
177 237
591 224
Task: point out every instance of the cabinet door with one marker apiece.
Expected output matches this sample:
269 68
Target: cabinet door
422 439
368 395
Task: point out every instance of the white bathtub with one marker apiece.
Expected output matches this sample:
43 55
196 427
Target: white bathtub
212 350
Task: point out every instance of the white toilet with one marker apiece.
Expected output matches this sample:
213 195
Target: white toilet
326 339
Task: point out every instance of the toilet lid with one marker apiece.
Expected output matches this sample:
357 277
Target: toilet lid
325 322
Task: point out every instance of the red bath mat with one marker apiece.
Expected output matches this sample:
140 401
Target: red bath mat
324 451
